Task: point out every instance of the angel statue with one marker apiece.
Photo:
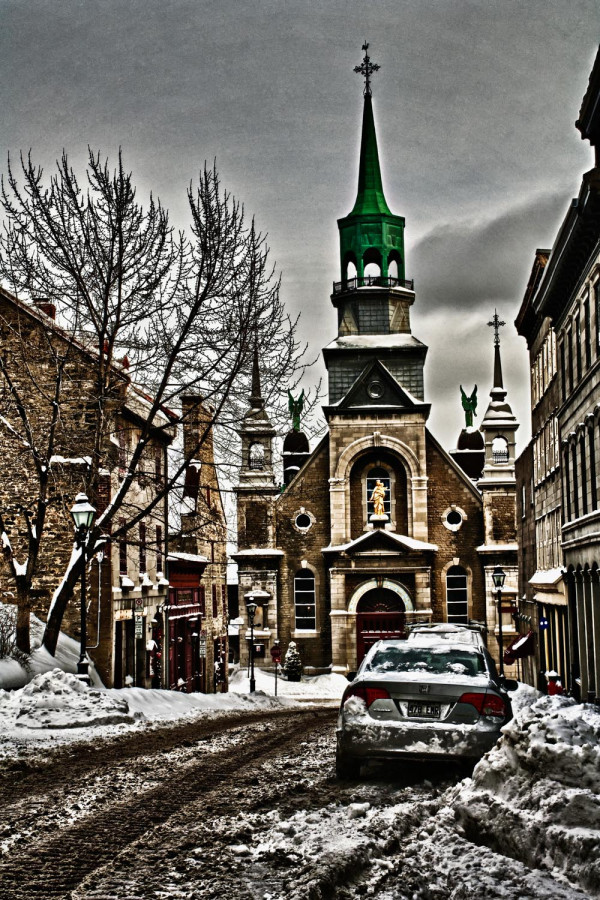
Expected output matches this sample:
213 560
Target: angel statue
378 498
469 404
295 407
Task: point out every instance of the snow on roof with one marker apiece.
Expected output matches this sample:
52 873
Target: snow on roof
187 557
258 551
497 548
402 539
547 576
375 341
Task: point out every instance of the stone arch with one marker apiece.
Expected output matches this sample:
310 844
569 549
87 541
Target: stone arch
416 484
372 584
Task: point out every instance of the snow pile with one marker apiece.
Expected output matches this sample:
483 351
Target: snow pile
535 796
57 699
14 674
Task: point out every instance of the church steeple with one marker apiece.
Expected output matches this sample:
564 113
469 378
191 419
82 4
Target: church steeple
499 424
371 233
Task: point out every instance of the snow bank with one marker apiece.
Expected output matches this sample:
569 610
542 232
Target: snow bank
536 795
14 674
57 699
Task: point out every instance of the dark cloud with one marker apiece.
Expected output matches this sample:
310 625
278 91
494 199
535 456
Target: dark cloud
462 265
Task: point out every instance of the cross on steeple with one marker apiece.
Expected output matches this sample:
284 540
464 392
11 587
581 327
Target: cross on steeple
496 323
366 68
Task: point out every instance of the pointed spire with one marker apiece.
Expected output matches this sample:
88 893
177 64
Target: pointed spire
370 197
256 400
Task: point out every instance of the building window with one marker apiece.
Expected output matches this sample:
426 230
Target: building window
304 601
578 346
593 486
257 456
158 465
457 603
567 485
584 503
122 550
563 372
575 480
570 359
215 602
303 520
453 518
587 324
142 534
373 476
597 306
159 549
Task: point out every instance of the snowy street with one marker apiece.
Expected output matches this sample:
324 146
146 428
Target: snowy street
244 803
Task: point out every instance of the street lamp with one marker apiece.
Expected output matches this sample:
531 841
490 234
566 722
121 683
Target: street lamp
251 608
498 577
83 515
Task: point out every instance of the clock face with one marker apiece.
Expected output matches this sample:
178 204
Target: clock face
375 389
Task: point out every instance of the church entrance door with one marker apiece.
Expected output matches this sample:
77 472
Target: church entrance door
380 614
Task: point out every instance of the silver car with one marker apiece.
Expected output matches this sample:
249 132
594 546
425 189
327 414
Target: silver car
421 699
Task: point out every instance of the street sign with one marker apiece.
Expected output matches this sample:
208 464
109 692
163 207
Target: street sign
276 654
139 626
139 602
202 646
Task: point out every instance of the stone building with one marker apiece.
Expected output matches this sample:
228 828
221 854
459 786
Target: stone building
564 310
128 582
327 567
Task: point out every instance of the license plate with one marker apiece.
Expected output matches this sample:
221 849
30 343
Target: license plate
425 710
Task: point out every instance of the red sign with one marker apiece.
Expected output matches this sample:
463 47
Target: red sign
276 654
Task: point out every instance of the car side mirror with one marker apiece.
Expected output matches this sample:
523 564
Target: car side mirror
351 676
510 684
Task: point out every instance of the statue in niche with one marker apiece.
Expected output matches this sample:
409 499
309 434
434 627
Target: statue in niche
469 404
378 498
295 407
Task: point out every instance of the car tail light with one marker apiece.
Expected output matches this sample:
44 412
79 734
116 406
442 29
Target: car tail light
368 694
486 704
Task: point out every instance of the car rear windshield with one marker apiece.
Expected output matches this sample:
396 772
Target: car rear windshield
437 660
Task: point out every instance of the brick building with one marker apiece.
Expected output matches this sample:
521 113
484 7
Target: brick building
128 582
328 568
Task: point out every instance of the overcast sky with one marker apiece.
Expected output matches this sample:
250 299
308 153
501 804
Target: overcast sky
475 105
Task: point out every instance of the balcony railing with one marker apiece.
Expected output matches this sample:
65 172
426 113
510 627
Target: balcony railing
351 284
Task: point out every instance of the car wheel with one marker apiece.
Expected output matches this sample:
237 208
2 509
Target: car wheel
346 766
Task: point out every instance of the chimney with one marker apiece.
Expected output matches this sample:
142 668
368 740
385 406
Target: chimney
49 309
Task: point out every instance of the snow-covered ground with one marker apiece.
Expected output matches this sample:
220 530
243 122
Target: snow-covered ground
311 688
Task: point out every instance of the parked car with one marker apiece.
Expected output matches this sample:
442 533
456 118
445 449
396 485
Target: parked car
449 631
421 699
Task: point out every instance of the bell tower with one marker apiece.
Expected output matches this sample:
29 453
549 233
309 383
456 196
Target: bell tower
256 486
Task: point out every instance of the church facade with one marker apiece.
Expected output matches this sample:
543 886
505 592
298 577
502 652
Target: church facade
378 527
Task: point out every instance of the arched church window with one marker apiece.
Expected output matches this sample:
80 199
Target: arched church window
372 265
257 456
304 600
393 269
372 272
500 449
351 271
457 604
378 473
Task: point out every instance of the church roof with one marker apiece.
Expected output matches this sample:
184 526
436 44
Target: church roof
394 341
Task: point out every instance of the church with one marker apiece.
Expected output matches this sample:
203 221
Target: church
378 526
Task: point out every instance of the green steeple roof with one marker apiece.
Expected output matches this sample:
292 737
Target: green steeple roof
370 198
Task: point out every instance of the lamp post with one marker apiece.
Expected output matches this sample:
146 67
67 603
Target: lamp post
251 608
498 577
83 515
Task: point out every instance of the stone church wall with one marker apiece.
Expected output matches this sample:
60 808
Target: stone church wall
308 491
445 488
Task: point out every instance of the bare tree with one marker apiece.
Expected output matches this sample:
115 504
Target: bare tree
159 315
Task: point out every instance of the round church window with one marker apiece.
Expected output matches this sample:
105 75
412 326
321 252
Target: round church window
303 521
375 389
453 518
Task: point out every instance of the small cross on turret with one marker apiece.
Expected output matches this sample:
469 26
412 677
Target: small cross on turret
366 68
